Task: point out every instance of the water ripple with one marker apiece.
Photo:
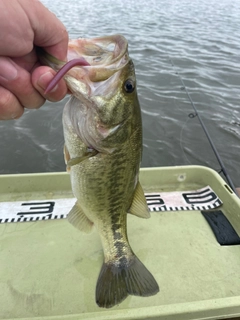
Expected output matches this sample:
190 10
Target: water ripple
202 39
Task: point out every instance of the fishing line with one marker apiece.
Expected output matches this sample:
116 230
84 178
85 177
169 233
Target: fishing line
196 114
181 141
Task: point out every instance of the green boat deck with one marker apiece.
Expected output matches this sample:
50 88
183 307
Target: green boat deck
49 269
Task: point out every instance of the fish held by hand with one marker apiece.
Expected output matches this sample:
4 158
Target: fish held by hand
103 148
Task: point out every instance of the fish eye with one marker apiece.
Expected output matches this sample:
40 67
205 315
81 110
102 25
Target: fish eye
129 86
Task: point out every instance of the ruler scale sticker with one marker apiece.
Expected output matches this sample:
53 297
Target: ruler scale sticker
35 210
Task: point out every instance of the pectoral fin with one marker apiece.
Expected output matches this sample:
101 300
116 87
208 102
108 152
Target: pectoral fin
66 157
139 205
72 162
79 220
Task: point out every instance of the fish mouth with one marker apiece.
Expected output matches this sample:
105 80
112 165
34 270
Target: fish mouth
93 65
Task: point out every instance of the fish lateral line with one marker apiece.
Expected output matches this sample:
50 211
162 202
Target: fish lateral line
81 62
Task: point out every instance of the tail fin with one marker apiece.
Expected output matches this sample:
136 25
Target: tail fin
117 281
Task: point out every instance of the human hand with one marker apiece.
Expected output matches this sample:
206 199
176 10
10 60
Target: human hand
26 24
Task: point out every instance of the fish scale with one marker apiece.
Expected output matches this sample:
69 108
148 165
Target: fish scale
103 148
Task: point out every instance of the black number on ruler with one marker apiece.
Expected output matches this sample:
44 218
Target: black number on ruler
154 199
44 207
199 197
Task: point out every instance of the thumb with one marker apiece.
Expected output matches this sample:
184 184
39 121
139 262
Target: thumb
49 31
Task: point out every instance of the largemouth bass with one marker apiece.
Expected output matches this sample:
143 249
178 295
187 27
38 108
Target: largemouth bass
103 148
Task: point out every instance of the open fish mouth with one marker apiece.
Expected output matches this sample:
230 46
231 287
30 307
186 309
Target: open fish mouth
90 63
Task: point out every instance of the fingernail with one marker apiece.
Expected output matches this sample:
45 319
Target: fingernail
44 80
8 70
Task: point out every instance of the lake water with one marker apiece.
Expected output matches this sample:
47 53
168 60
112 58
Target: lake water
202 40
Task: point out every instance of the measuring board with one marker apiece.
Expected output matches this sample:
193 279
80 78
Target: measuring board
24 211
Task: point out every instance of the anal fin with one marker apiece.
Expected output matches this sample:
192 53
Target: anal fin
79 220
139 205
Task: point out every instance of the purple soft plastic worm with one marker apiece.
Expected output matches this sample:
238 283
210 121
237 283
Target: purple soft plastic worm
69 65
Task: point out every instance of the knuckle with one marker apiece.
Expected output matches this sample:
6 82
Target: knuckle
27 95
10 108
6 100
34 102
39 103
